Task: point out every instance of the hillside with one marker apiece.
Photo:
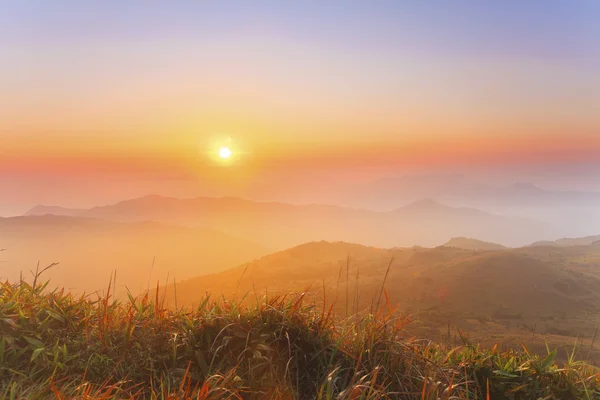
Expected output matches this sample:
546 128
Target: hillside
583 241
448 269
141 253
472 244
279 226
57 346
506 293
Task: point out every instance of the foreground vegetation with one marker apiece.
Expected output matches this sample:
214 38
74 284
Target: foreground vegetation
56 345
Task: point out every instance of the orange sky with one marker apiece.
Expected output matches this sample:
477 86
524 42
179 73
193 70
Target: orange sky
151 92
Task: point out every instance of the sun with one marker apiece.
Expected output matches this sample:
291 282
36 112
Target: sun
225 152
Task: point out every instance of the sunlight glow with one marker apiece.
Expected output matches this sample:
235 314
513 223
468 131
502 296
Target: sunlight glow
225 152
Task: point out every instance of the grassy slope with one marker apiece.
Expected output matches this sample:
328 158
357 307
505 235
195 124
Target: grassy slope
504 297
54 345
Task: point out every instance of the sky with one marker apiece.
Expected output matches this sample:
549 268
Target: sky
96 95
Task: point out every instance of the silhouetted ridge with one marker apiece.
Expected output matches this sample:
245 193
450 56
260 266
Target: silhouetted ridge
425 204
472 244
565 242
277 225
41 209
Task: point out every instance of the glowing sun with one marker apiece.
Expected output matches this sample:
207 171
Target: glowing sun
225 152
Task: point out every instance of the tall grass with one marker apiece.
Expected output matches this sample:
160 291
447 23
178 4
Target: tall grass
56 345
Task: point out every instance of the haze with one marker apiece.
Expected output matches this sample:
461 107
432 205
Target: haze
272 146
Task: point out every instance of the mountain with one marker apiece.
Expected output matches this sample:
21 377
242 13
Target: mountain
53 210
458 189
142 253
583 241
427 220
503 293
472 244
576 212
431 208
279 225
543 243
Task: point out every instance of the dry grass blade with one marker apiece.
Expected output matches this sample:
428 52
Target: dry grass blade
387 271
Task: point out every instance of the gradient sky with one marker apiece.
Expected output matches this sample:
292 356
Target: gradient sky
148 89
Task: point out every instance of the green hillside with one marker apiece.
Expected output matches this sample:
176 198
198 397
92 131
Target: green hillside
55 345
532 295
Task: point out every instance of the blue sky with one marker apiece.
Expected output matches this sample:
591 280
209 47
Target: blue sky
536 28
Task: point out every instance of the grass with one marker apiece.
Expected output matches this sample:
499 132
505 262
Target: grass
56 345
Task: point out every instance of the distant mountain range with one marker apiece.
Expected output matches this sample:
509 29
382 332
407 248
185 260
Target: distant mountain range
278 225
584 241
457 189
193 236
479 245
54 210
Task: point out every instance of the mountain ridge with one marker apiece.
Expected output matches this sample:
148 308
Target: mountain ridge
281 225
567 242
472 244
